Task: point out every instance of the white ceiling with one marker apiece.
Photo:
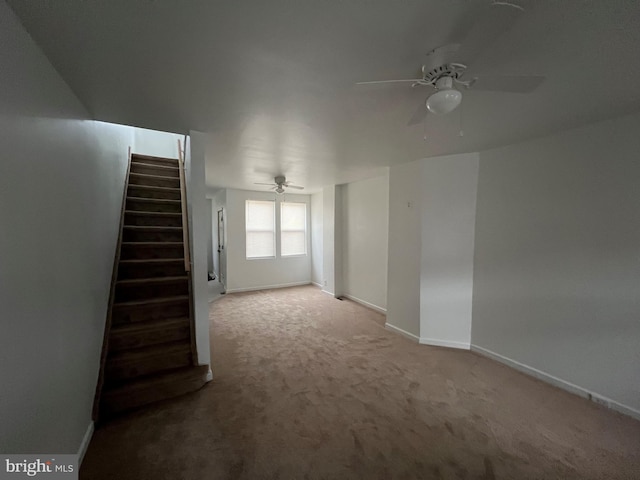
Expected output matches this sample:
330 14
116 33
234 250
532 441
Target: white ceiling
271 82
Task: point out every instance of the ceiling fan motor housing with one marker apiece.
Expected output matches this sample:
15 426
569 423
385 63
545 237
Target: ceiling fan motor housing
452 70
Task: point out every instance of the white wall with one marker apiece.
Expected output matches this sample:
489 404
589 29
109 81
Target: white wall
197 206
156 144
338 251
448 222
328 239
403 278
61 185
251 274
316 238
557 264
365 233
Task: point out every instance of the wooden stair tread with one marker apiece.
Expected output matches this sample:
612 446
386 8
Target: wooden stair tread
151 157
167 377
139 261
152 301
142 164
153 200
144 281
142 353
153 388
152 244
153 214
163 323
154 187
152 228
148 175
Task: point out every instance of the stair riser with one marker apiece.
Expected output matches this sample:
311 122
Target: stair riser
137 252
130 235
117 371
169 269
154 170
165 162
153 220
154 181
114 402
122 315
148 338
144 292
133 191
142 206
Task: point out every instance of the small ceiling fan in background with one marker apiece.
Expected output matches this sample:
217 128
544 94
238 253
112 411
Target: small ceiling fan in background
280 183
446 68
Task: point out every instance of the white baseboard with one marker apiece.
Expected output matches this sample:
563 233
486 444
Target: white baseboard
558 382
267 287
402 332
85 443
209 375
366 304
444 343
316 284
327 292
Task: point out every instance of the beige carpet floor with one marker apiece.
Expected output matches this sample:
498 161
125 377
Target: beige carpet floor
309 387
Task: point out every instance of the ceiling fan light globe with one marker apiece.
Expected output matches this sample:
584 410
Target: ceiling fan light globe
444 101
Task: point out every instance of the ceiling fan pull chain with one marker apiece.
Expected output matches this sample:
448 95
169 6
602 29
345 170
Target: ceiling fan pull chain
461 122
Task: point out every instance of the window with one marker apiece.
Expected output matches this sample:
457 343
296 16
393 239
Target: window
293 229
261 229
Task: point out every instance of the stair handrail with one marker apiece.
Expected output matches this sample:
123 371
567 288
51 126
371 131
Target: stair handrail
186 247
185 214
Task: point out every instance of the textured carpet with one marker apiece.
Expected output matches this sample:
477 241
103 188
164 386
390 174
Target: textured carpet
309 387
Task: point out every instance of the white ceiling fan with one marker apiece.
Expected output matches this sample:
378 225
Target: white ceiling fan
446 68
280 183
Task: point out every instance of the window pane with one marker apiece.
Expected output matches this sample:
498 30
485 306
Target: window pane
260 229
260 215
293 229
294 243
260 244
294 216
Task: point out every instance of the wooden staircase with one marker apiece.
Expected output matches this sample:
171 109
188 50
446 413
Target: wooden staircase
149 351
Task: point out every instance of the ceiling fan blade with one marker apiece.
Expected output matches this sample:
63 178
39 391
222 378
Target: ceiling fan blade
508 83
256 183
418 115
295 186
381 82
493 21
